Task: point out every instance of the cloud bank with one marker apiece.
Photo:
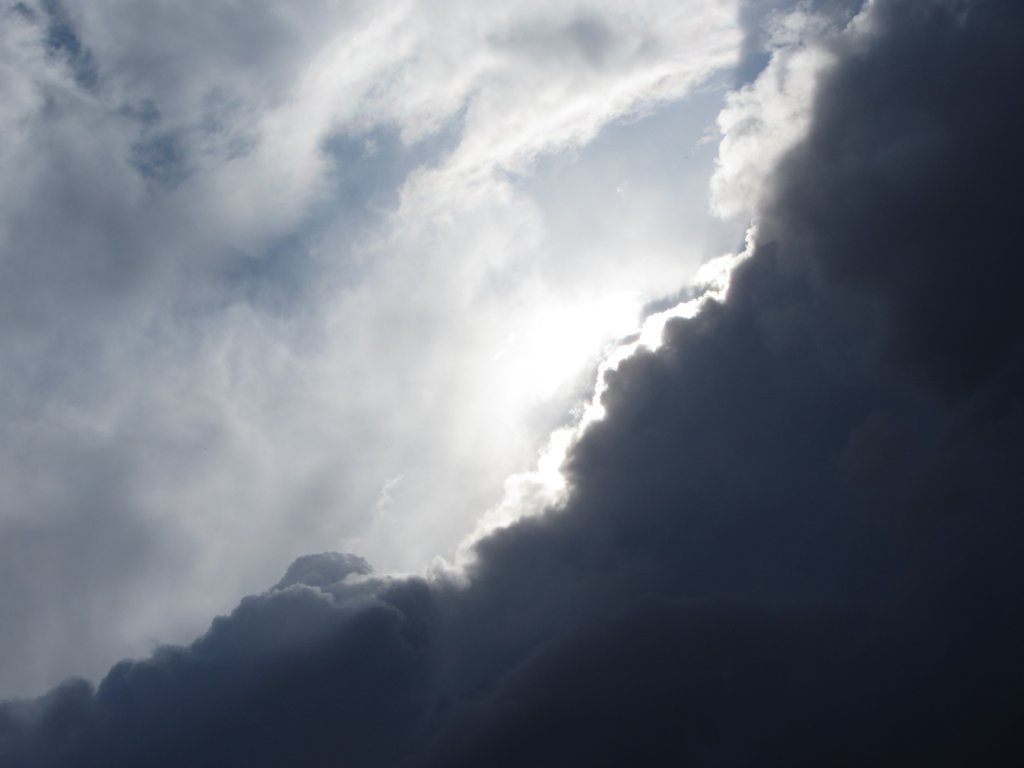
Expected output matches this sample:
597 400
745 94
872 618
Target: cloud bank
793 538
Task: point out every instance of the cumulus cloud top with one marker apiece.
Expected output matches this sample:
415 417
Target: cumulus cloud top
323 570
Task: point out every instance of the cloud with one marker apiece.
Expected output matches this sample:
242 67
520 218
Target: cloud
765 118
256 261
793 538
323 570
289 672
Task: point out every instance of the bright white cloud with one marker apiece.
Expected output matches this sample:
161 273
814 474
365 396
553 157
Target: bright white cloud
260 260
761 121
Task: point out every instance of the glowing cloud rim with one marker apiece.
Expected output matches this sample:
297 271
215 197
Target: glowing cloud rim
546 487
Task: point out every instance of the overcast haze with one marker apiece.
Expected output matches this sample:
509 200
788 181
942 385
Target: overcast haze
342 307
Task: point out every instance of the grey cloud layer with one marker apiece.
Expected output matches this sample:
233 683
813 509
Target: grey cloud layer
793 540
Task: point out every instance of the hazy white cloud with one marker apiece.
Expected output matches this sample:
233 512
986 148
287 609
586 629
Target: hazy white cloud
764 119
259 261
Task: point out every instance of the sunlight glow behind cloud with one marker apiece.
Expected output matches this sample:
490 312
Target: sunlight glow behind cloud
545 487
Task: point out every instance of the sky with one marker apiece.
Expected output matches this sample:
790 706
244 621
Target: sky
616 383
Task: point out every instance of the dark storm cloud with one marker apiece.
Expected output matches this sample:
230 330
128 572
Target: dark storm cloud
794 539
288 678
